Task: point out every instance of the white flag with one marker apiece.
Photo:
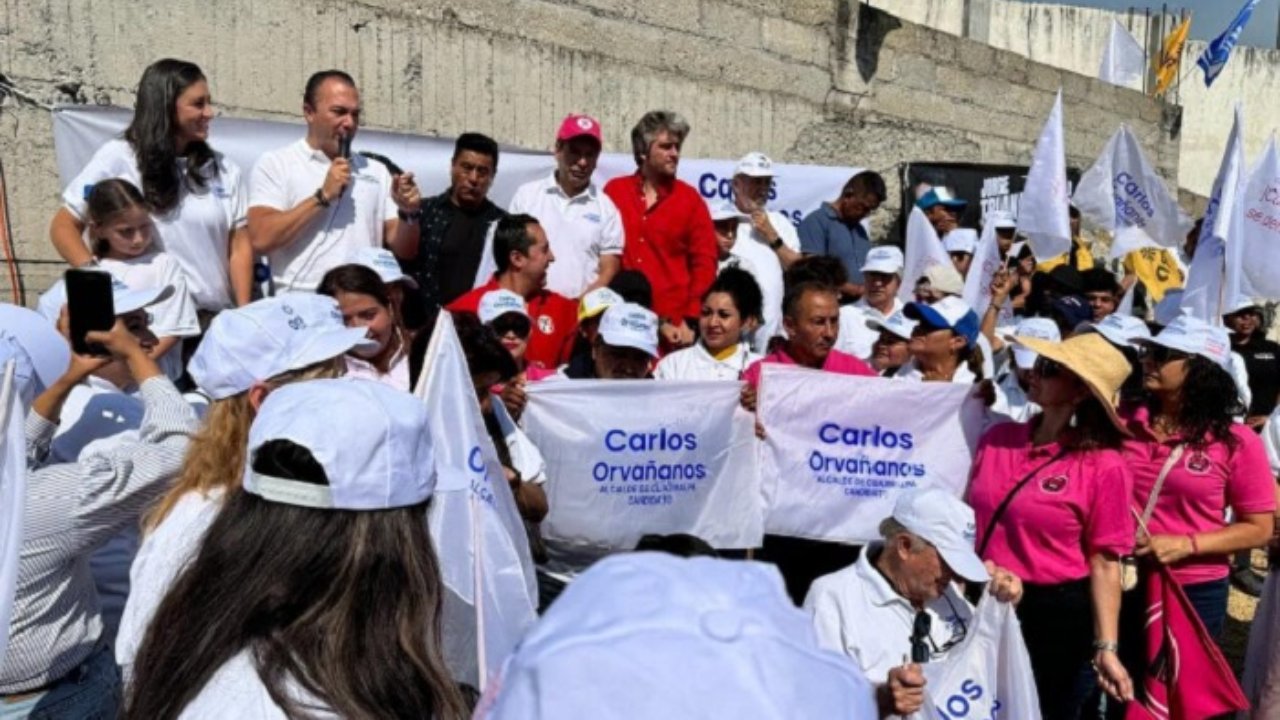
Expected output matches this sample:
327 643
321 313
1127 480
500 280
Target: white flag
988 675
924 250
630 457
839 449
488 573
1044 210
1214 280
1123 61
13 493
1122 194
1262 225
1125 308
986 261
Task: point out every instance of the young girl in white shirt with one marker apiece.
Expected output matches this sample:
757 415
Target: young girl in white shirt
123 242
731 311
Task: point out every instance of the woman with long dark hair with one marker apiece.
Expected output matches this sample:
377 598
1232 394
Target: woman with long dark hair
1051 500
198 199
1191 463
316 590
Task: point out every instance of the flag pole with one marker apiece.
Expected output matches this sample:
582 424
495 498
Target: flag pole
477 578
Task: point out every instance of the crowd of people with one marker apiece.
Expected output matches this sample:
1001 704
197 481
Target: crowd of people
226 511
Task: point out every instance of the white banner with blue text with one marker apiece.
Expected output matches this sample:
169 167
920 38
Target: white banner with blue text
626 458
839 449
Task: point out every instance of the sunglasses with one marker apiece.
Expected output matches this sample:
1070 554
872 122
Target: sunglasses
920 638
512 322
1047 368
1159 354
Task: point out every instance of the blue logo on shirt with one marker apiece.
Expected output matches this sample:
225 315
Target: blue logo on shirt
593 217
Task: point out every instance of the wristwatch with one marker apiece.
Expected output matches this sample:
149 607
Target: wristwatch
777 243
411 217
320 198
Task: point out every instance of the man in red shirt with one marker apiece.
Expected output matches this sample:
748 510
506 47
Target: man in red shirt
522 255
669 236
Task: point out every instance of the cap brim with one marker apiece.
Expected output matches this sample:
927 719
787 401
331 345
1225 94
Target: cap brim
879 326
127 302
1053 351
754 172
964 562
617 340
328 344
886 269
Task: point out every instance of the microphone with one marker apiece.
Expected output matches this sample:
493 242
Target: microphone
344 146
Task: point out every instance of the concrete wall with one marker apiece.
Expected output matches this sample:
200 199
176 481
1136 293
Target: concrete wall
820 81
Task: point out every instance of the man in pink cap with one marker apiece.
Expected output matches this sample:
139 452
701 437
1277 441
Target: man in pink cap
581 222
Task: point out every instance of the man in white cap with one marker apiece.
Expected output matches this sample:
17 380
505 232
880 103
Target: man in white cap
725 218
764 238
881 278
900 600
582 223
625 347
892 348
961 244
1006 227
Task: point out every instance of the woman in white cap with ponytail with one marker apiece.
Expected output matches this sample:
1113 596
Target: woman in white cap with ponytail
316 590
369 292
246 355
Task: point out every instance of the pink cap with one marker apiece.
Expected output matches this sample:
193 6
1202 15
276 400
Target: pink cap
579 125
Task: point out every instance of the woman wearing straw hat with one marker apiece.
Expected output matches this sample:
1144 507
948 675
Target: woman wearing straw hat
1051 497
317 590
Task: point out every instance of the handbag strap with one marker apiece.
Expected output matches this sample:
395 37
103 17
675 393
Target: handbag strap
1150 509
1004 504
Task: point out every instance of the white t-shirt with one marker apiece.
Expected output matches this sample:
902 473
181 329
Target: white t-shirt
855 337
397 376
856 612
173 317
236 691
284 178
161 557
580 229
696 363
197 232
763 264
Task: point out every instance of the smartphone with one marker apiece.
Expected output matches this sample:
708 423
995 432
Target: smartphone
89 308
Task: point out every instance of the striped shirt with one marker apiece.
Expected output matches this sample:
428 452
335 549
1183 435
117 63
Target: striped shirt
72 509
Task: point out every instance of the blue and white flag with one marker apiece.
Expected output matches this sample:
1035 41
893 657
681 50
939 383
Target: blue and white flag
1215 56
1215 281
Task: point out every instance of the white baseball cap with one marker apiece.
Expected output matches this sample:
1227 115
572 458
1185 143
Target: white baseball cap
669 637
897 324
1035 327
884 259
596 302
124 298
946 523
630 325
723 210
961 240
381 261
1122 329
1196 337
1002 220
382 459
945 279
270 337
755 164
48 351
497 303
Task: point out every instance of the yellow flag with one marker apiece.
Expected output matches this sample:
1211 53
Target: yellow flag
1170 59
1157 269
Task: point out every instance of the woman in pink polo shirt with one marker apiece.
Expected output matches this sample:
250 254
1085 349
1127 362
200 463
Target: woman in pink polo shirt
1214 465
1051 498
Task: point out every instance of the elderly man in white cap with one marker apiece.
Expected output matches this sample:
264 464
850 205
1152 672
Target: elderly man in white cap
900 599
881 276
765 240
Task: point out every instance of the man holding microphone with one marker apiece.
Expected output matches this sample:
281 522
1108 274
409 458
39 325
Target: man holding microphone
311 203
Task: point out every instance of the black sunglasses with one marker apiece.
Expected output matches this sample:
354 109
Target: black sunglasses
1047 368
920 639
512 322
1159 354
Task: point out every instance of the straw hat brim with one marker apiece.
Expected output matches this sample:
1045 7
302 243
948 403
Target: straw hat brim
1099 365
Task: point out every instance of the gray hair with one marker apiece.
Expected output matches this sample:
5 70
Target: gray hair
891 528
653 123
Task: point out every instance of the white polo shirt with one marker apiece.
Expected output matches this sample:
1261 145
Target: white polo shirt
284 178
855 337
580 229
762 262
197 232
856 612
696 363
